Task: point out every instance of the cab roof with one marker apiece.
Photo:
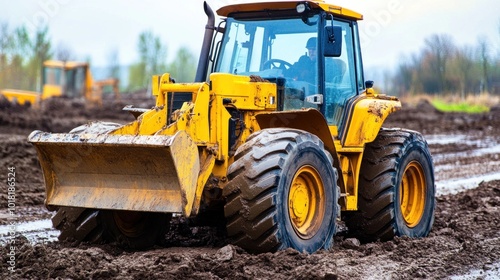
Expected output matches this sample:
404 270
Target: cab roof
288 5
64 64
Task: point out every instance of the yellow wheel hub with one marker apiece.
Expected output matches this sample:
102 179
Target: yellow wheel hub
412 194
306 204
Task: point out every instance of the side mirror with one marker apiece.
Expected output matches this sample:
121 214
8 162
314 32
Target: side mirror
332 45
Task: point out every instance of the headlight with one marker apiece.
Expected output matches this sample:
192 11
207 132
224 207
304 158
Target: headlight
302 7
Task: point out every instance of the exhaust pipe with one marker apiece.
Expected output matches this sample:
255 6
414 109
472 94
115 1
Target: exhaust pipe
201 72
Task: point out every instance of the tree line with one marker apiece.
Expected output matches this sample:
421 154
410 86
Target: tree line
152 60
442 67
22 55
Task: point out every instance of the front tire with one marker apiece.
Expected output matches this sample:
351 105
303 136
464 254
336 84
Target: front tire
135 230
79 224
282 193
396 188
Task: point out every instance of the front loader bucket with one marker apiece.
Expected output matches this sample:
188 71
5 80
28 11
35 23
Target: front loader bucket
122 172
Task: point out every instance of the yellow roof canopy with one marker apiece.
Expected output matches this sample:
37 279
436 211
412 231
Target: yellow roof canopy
64 64
287 5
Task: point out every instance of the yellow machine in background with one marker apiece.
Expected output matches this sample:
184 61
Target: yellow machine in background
65 79
278 154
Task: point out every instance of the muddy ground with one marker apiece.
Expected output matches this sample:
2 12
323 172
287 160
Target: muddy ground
465 240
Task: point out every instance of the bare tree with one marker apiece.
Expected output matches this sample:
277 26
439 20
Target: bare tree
18 55
483 49
114 63
441 67
403 76
4 44
465 61
152 52
64 52
41 51
183 67
152 60
439 49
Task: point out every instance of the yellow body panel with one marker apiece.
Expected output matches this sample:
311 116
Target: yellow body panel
366 118
243 93
21 97
349 166
309 120
64 64
51 91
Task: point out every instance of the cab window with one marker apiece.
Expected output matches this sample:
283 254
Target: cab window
340 76
283 49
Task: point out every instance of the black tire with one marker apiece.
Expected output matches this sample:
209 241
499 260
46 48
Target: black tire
135 230
79 224
272 166
396 167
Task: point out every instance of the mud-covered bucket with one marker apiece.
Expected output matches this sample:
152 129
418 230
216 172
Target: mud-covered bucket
120 172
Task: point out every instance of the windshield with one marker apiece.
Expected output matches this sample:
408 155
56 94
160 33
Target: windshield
276 49
52 76
75 80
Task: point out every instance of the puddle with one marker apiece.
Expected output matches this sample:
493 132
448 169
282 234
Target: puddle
455 186
470 140
491 149
40 231
437 139
455 182
479 147
489 272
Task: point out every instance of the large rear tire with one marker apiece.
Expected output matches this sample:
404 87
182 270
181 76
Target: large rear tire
396 188
281 193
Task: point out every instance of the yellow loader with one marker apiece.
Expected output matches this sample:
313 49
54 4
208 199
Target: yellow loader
68 79
280 156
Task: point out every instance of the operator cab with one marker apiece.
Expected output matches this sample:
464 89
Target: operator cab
65 79
312 55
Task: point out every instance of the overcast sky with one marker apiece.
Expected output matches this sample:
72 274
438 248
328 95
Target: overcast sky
390 29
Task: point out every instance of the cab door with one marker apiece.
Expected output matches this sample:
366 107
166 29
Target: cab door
343 76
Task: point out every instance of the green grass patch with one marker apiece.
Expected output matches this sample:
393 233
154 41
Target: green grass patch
461 107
